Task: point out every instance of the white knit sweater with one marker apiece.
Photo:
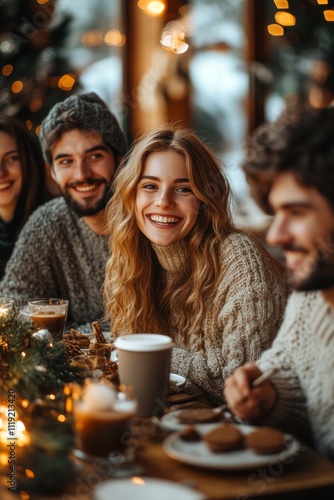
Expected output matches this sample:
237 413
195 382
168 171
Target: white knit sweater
239 323
304 354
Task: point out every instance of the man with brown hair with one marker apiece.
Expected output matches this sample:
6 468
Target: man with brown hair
62 250
290 167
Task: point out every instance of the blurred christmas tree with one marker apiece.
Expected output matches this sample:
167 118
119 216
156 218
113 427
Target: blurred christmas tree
35 72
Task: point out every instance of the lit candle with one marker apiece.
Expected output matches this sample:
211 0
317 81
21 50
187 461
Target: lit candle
5 306
3 437
20 435
71 390
20 432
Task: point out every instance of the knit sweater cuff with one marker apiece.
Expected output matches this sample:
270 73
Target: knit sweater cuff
285 396
289 412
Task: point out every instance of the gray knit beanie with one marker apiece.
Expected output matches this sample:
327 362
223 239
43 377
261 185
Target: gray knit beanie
85 112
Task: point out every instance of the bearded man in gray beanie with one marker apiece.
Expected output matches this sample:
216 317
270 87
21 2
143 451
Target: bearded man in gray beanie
62 250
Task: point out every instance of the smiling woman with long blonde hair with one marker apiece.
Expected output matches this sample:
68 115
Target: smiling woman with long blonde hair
179 266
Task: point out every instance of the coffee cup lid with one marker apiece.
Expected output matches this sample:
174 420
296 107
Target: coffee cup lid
144 342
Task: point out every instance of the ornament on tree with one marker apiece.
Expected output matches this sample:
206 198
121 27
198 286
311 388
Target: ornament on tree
43 335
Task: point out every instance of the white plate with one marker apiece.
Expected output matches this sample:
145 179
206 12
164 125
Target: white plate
198 454
144 488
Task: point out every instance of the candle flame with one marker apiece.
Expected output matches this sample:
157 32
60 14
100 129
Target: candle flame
138 480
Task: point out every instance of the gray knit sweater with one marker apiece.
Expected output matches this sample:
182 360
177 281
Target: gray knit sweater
239 323
58 255
304 354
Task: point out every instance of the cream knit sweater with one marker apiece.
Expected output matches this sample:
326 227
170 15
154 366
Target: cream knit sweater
304 354
240 322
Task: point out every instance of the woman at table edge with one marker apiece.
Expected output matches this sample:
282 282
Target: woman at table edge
179 266
23 182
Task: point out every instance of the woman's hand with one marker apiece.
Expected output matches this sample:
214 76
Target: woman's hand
244 401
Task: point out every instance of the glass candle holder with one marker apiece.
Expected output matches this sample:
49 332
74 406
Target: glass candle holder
6 307
102 421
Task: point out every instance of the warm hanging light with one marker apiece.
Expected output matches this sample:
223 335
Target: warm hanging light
92 38
329 15
7 69
173 41
275 30
114 38
322 2
282 4
35 105
151 7
66 82
285 18
17 86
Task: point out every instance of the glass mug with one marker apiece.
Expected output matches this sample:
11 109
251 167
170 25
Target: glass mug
49 314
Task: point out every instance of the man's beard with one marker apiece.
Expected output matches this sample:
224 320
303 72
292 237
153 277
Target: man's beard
321 271
89 208
321 278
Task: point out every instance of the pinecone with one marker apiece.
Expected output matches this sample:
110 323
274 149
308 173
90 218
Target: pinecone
82 340
101 351
111 372
72 348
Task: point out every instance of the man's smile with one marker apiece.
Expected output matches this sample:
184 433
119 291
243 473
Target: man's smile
85 187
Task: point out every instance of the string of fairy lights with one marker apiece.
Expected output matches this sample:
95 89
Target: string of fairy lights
284 18
174 38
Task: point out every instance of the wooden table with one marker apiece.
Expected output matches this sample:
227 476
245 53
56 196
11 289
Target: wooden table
308 472
309 476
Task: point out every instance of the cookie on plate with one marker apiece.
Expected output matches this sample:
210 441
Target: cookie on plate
190 434
225 437
265 441
198 416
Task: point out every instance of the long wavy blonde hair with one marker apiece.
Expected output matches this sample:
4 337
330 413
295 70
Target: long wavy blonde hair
136 297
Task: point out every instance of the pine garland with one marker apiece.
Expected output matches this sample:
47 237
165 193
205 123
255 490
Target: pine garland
36 371
30 366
